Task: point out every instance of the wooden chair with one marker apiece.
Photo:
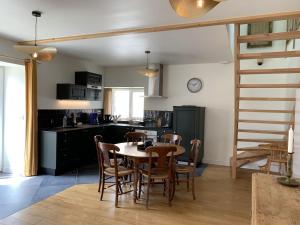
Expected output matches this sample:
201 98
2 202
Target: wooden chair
97 139
278 154
161 169
112 170
135 137
172 139
190 169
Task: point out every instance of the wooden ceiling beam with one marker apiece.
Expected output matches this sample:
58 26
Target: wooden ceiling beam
170 27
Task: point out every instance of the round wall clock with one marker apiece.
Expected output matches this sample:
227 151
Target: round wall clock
194 85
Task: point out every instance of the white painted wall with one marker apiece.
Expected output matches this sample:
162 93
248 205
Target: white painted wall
14 119
216 95
62 70
123 76
1 114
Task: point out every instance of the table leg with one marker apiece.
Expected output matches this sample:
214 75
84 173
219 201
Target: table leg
135 167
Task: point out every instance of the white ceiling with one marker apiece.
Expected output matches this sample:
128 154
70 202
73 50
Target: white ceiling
72 17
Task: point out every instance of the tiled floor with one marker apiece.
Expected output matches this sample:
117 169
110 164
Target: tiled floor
17 193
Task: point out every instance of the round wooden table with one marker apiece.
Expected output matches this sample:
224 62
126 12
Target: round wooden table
130 150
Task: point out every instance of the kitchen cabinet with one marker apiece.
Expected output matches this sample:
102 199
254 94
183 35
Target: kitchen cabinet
77 92
189 121
63 151
88 79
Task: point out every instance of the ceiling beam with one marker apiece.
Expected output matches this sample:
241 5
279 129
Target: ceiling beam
170 27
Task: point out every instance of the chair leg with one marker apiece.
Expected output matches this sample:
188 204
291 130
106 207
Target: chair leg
147 196
188 182
102 187
169 191
140 185
193 187
117 191
99 185
164 193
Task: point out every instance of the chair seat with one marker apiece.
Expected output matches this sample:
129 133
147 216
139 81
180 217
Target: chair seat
155 173
122 171
184 169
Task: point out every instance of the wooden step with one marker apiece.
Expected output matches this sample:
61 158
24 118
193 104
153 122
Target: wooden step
262 140
250 155
270 71
263 131
242 162
268 86
266 99
269 37
266 122
265 55
251 149
265 111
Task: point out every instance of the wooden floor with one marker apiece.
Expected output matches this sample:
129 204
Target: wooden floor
220 201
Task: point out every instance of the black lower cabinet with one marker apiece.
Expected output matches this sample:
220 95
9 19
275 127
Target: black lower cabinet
63 151
188 121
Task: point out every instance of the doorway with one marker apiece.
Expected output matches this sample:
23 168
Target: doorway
12 118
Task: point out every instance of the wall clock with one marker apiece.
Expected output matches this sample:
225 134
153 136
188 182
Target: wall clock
194 85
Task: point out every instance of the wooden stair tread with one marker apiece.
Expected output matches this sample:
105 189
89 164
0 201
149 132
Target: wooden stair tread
266 110
252 154
265 121
265 99
269 71
269 37
261 140
268 86
263 131
265 55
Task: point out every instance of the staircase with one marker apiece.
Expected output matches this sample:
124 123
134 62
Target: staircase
264 110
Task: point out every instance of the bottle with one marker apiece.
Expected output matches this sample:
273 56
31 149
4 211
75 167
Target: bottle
65 121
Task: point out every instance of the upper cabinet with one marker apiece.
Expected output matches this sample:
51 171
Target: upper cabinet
88 86
90 80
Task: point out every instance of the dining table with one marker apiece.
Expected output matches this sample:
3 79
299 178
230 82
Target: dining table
131 151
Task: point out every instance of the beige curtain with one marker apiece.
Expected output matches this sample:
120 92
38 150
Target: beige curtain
31 142
107 101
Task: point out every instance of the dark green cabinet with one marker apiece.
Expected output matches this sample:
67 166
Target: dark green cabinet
189 121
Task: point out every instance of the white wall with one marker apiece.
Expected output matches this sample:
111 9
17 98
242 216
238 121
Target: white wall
62 70
123 76
1 113
14 119
216 95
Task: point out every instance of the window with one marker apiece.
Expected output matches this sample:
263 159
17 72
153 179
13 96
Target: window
128 102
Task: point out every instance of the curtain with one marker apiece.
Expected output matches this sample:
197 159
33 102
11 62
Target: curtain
31 141
107 101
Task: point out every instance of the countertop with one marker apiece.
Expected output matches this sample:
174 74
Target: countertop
87 126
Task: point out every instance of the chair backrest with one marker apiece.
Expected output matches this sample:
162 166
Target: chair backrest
97 139
164 160
105 149
135 136
172 139
194 152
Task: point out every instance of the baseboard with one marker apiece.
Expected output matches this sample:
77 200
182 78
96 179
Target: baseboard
216 162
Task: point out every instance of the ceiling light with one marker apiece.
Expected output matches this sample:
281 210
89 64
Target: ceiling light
193 8
42 53
147 71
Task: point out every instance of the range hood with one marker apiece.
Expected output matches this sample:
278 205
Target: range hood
155 85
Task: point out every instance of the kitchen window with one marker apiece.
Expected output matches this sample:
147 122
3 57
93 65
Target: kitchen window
129 103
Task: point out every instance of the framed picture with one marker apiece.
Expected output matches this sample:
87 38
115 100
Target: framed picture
260 28
292 25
